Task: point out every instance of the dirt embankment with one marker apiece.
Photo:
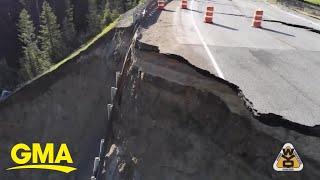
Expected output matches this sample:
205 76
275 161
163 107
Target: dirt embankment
175 121
67 105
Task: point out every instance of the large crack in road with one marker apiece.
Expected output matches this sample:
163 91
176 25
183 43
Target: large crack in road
294 25
269 119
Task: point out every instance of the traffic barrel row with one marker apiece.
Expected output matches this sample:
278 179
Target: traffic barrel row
257 18
209 12
162 3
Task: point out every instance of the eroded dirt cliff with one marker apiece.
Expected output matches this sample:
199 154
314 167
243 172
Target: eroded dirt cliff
67 105
175 121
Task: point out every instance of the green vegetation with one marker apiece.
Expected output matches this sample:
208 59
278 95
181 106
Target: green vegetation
32 61
317 2
52 45
52 42
69 31
93 17
99 17
85 47
108 16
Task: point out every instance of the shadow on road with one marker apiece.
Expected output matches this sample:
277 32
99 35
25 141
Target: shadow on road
152 17
279 32
230 14
223 26
167 10
195 10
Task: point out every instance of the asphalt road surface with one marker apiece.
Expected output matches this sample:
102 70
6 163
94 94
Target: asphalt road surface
277 66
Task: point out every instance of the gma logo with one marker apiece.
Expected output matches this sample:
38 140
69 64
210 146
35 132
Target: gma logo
38 158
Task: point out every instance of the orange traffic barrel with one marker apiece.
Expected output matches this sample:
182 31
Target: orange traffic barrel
208 17
161 4
184 4
257 18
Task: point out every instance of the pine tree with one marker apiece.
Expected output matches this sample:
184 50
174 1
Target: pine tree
114 15
31 6
32 62
52 45
109 15
106 14
120 6
93 18
131 4
69 31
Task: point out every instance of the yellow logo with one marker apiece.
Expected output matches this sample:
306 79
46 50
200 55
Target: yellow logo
36 158
288 159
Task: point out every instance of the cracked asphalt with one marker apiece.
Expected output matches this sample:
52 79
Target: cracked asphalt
276 67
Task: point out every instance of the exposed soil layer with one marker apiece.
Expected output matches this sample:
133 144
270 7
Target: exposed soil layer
67 105
175 121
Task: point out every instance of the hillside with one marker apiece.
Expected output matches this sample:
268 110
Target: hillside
66 104
11 53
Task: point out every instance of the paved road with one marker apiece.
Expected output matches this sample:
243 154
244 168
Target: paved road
277 67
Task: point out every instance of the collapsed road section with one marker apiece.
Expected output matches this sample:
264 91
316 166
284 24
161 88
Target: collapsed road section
169 118
174 120
274 62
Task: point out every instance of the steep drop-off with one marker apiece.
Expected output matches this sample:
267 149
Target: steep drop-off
67 105
175 121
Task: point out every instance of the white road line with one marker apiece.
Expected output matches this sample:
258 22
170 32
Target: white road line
215 64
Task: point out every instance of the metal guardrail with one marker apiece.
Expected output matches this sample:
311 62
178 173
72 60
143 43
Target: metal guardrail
141 10
139 14
97 161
